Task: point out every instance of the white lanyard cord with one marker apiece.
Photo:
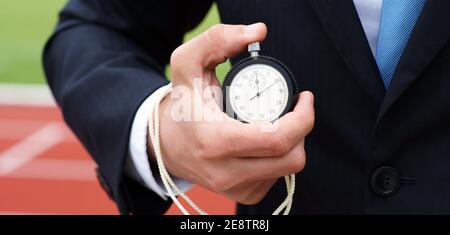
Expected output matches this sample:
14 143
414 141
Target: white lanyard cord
169 184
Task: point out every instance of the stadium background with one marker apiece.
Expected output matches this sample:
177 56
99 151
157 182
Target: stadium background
43 168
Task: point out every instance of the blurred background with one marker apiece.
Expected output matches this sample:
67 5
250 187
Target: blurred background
43 168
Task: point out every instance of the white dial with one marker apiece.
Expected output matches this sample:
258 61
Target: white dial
258 92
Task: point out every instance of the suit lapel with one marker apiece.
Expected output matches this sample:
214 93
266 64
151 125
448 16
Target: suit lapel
341 21
430 35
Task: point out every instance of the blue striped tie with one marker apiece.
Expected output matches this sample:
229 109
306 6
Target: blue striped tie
398 18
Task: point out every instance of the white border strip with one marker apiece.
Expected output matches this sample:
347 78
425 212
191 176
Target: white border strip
26 95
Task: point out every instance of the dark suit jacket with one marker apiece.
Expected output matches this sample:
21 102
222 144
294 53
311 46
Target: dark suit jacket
107 56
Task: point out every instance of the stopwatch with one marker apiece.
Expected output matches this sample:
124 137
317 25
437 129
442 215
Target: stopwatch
259 88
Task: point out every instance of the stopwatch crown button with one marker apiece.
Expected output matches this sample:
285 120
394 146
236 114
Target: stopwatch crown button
254 47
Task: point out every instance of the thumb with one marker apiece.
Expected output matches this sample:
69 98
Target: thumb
213 47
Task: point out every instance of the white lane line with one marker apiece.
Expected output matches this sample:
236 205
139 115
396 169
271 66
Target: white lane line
23 213
31 147
26 95
17 129
56 169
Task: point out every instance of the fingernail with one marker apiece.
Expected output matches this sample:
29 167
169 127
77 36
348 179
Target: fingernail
253 28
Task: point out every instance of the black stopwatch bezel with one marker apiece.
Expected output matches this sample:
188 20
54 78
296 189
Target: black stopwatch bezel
276 64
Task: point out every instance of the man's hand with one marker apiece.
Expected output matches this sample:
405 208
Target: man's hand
229 157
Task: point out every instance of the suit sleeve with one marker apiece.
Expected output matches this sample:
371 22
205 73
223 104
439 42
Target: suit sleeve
104 59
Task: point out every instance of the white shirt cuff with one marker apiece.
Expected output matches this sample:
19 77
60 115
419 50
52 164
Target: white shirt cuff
138 165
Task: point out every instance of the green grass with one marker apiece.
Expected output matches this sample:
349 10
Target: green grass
25 25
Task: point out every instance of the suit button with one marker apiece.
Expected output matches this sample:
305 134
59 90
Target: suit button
385 181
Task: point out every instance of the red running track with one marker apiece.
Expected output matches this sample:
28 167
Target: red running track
45 170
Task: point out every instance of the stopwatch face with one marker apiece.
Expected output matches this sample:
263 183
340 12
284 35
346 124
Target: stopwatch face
258 92
259 89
